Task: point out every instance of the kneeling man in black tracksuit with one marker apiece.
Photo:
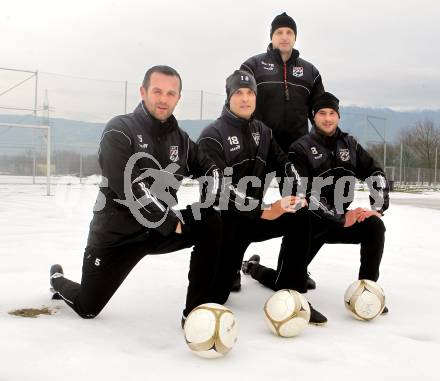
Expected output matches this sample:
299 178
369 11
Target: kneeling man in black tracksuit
331 161
245 150
144 156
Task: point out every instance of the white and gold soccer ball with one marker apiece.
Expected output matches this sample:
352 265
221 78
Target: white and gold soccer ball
287 313
365 299
211 330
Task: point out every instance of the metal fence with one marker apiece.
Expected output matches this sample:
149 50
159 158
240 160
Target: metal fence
50 98
89 99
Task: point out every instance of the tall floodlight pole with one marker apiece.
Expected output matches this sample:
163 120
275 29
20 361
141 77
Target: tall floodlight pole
401 163
36 94
380 135
46 122
385 146
435 166
80 167
34 166
48 161
34 159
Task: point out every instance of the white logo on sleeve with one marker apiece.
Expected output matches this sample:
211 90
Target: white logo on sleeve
97 262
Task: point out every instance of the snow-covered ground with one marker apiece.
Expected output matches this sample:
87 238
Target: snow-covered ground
138 335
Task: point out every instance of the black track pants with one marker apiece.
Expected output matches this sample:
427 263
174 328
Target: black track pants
239 232
104 269
370 234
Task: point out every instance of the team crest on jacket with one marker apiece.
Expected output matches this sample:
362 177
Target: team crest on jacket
174 153
344 154
256 136
298 71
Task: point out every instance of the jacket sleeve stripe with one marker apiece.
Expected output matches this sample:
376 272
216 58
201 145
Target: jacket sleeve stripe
106 132
290 83
208 137
316 78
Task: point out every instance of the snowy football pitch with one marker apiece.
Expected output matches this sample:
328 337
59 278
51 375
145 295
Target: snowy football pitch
138 335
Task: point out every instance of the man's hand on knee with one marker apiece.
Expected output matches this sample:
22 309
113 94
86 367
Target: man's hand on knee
367 214
351 216
288 204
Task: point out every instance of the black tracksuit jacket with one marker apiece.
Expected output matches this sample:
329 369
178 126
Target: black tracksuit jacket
285 93
247 149
316 155
172 156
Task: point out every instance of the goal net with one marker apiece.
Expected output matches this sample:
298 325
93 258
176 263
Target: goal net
20 158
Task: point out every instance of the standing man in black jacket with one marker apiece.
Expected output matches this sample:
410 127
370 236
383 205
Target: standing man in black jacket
287 85
331 161
245 150
144 156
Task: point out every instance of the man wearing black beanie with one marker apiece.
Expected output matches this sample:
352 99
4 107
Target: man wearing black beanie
286 86
244 149
286 83
332 160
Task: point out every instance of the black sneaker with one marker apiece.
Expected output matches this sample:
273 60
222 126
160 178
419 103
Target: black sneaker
385 311
310 283
246 265
316 317
56 271
236 285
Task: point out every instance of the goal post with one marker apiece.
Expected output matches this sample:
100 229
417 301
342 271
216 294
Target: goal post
48 146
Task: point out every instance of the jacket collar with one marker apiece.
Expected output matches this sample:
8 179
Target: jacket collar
230 118
153 125
276 54
326 141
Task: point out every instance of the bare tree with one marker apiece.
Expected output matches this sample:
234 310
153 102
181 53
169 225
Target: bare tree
423 139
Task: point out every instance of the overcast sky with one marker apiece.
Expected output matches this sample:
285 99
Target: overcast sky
370 53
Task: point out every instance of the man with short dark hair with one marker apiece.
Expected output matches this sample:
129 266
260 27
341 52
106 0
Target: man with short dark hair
287 84
245 150
332 160
144 156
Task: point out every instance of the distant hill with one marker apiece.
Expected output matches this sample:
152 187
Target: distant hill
359 120
68 134
83 136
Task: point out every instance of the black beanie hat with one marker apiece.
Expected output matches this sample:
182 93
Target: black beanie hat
282 20
325 100
238 79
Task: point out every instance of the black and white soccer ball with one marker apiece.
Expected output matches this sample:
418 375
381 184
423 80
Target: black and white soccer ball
287 313
365 299
211 330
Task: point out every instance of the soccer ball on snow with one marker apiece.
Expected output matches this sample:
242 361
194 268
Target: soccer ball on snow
287 313
210 330
365 299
